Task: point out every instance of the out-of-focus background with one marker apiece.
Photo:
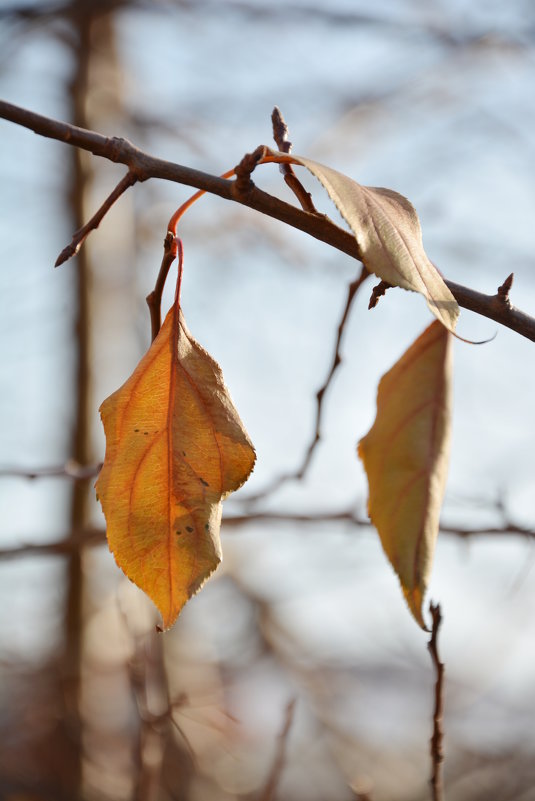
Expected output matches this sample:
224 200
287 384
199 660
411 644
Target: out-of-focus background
434 100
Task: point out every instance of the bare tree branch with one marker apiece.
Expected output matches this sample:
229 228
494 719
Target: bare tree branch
144 166
349 516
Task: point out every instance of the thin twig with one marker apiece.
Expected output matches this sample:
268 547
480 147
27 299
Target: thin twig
316 225
280 135
154 298
300 473
77 540
71 469
437 754
79 236
270 789
351 518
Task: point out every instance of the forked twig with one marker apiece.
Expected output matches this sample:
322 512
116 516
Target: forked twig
81 234
437 754
270 788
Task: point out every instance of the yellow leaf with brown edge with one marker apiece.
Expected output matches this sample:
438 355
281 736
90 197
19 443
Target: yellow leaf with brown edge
175 447
389 236
406 454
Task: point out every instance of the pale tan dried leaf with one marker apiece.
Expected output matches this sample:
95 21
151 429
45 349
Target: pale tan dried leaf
389 236
406 454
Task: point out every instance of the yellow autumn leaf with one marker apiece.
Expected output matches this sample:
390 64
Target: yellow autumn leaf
388 233
406 454
175 447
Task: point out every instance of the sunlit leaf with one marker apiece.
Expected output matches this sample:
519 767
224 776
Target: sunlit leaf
175 447
389 236
406 455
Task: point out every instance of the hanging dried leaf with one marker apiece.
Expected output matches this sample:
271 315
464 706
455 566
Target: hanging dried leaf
389 236
175 447
405 456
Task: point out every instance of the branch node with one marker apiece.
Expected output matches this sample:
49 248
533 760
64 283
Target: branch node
243 183
377 292
116 145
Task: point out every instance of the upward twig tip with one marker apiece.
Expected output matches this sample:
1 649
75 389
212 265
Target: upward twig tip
280 131
437 753
505 288
280 134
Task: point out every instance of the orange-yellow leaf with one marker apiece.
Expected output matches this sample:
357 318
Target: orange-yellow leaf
389 236
175 447
405 456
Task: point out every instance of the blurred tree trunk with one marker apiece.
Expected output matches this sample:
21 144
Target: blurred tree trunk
82 18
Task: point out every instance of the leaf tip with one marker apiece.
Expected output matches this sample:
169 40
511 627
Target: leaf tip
415 598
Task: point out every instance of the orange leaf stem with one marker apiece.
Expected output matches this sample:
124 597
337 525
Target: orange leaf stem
180 253
173 222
